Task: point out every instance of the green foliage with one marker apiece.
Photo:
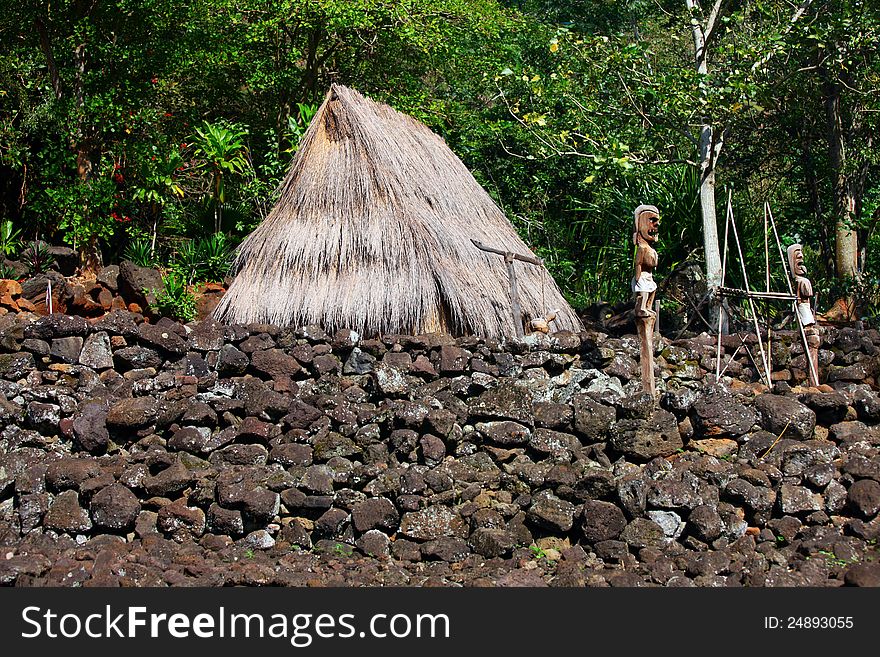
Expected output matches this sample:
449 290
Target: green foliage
203 259
10 239
6 272
140 252
176 300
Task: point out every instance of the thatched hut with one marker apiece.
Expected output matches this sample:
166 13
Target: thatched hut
372 231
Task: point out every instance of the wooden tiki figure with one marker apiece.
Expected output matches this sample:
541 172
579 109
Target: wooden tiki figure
645 235
804 291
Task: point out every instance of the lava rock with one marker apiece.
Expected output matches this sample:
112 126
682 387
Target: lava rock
432 523
864 497
132 413
717 415
274 363
492 542
375 513
66 515
57 326
592 420
601 521
139 284
550 512
785 416
648 439
96 352
705 523
163 339
505 433
67 350
642 533
114 508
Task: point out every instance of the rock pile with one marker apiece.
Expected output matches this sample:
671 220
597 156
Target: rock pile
135 453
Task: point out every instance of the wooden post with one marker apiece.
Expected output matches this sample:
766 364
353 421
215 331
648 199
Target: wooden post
645 326
514 295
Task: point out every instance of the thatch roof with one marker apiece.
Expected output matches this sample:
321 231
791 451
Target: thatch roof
372 231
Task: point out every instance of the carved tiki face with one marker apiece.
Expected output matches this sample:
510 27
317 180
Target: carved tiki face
647 223
796 260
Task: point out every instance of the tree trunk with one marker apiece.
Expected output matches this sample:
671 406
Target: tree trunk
846 243
218 211
86 161
708 153
710 148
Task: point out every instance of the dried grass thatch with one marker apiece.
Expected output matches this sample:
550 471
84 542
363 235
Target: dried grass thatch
372 231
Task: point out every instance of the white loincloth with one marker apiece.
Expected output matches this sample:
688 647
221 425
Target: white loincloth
805 313
644 283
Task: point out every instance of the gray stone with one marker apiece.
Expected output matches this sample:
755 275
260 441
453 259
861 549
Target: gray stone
67 350
358 362
389 380
797 499
259 540
648 439
669 521
96 352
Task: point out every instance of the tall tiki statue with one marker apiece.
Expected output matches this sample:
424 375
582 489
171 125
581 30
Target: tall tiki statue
804 292
645 235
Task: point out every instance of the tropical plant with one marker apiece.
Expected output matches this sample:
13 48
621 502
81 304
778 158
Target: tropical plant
216 253
176 300
140 252
37 258
201 260
222 149
157 186
6 272
10 239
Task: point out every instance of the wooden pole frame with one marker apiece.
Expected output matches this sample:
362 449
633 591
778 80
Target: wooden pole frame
750 295
509 258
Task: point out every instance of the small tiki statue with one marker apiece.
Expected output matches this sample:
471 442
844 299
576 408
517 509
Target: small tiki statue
804 292
647 224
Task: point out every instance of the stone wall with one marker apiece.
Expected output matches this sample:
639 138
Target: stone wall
432 449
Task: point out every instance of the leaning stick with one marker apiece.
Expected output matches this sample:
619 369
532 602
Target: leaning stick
751 301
